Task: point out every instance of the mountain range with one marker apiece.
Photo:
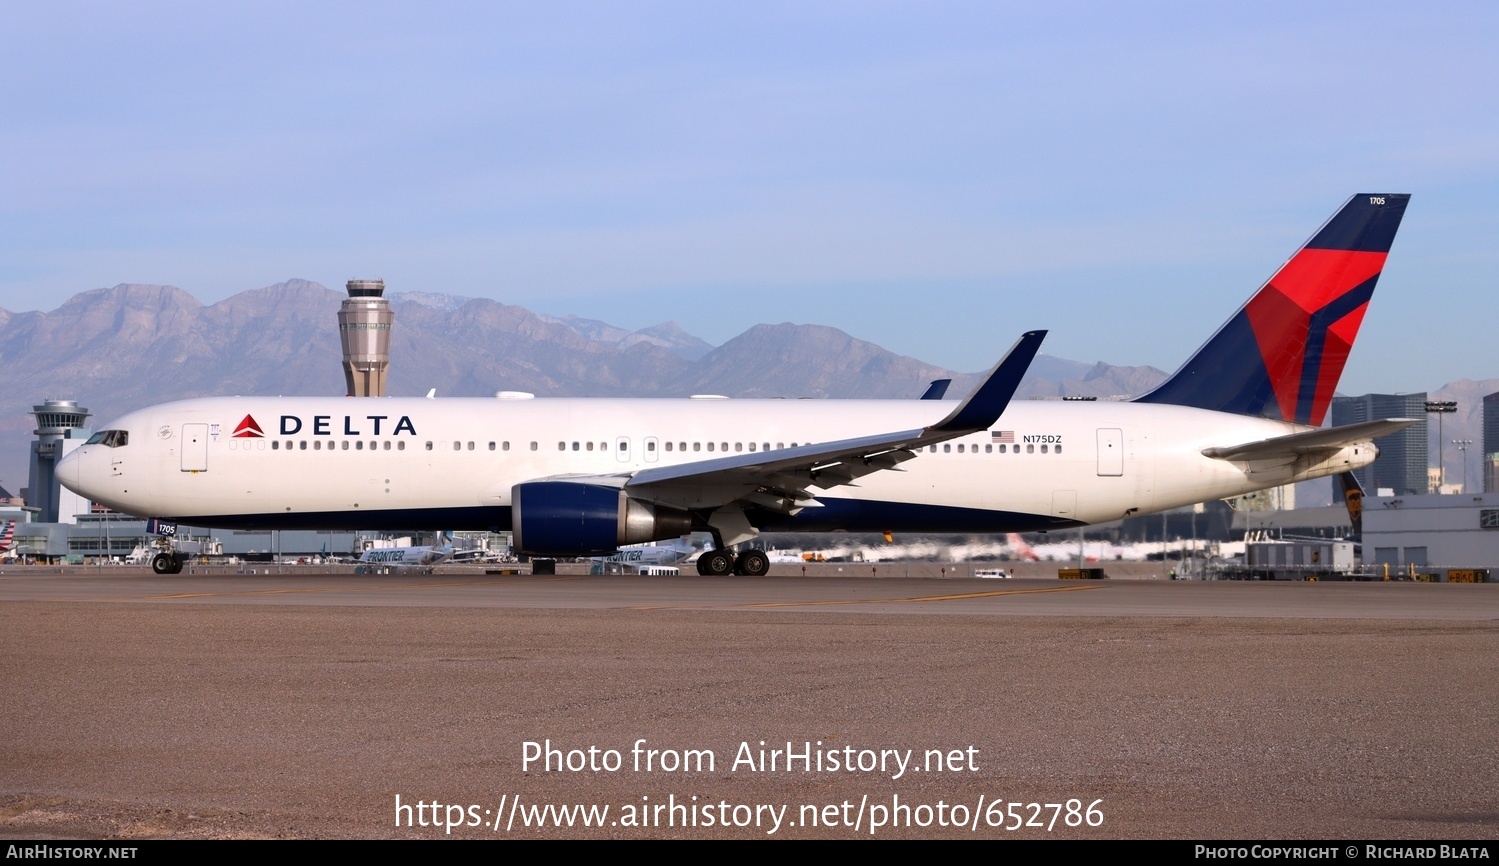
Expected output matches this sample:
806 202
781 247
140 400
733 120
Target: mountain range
122 348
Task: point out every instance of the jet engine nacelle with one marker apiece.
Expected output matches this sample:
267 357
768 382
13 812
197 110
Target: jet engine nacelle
565 518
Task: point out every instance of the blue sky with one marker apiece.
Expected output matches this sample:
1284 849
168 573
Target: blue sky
935 177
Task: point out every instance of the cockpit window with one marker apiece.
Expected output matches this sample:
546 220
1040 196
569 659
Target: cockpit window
110 438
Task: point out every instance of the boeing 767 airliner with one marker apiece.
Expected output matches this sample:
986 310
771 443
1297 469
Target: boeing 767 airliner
580 477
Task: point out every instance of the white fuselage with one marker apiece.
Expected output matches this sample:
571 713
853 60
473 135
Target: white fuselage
376 463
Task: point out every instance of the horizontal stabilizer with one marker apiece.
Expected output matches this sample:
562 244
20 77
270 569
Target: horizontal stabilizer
1312 441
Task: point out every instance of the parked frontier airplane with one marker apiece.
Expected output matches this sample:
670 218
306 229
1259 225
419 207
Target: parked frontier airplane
581 477
426 556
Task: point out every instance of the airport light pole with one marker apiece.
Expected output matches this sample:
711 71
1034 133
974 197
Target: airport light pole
1462 445
1440 408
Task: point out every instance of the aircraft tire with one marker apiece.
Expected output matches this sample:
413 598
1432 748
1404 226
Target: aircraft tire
162 563
752 563
715 563
176 563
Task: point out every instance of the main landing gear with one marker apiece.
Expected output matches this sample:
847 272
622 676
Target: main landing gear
167 563
717 563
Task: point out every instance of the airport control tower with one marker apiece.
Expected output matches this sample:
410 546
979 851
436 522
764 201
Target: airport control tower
59 429
364 323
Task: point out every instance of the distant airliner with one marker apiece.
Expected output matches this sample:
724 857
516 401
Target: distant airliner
638 556
424 556
581 477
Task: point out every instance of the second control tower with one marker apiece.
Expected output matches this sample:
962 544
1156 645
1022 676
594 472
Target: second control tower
364 323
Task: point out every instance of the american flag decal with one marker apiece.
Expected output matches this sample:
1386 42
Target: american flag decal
1005 436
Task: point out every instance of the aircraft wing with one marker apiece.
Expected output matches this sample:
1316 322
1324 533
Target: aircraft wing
937 390
1310 442
781 479
776 479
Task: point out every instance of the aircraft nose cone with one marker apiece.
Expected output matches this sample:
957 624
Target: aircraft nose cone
68 471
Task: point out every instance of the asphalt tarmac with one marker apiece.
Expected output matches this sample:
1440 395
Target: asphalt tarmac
325 705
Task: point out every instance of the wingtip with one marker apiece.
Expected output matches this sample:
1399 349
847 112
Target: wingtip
984 406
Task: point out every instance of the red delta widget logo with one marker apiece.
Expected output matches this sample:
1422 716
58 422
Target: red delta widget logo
248 429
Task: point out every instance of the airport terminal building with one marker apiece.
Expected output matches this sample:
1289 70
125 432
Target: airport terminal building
1432 531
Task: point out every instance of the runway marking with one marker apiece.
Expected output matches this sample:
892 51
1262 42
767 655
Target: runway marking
911 600
293 591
